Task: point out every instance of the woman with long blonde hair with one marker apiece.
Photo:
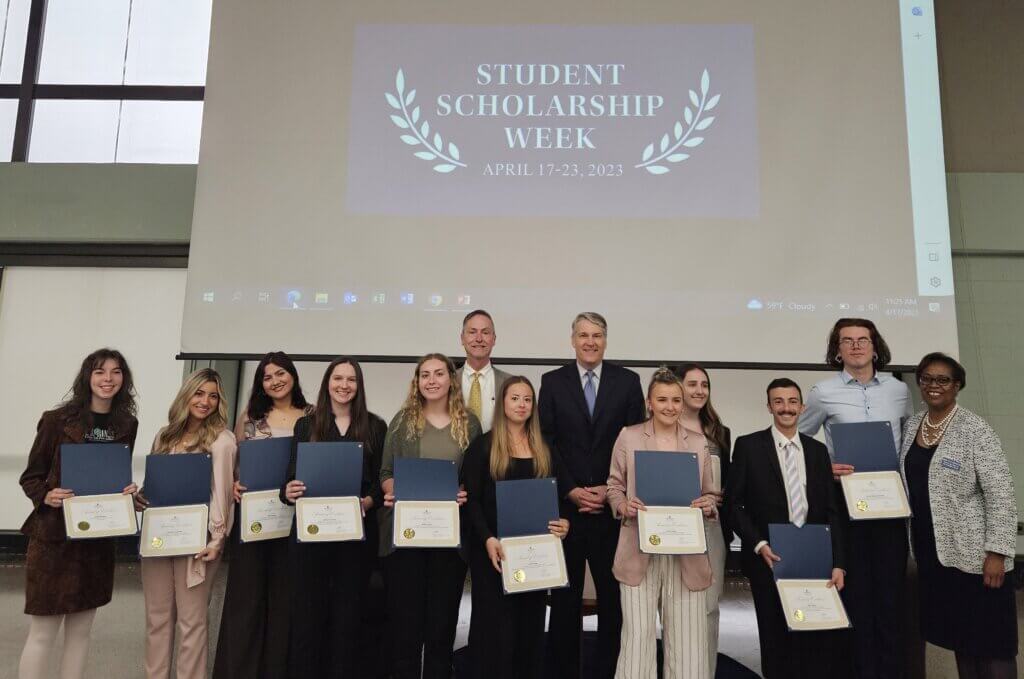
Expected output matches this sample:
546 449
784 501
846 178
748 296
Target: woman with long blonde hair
425 584
506 631
177 589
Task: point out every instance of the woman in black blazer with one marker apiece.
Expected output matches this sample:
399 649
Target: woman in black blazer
328 579
506 631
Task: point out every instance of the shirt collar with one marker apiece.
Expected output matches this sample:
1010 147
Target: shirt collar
596 371
781 440
484 371
850 379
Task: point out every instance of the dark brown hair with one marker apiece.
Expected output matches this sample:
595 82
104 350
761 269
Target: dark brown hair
259 402
474 314
710 422
783 383
881 349
323 416
77 405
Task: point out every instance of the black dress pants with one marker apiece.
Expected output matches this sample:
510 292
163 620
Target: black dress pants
424 592
253 638
326 589
506 630
874 596
593 538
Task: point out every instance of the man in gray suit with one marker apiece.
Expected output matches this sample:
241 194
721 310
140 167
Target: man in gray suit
481 382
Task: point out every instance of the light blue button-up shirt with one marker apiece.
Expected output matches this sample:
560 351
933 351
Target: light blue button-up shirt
842 398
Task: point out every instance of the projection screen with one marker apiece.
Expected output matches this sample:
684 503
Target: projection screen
721 180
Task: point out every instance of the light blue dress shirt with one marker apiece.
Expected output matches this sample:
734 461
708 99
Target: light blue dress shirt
841 398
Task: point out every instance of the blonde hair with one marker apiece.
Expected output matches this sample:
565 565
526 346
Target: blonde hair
501 437
177 415
412 409
663 375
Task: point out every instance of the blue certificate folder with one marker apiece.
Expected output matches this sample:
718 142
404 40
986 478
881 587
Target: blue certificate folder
330 469
176 480
263 463
868 446
806 552
425 479
525 506
667 479
95 468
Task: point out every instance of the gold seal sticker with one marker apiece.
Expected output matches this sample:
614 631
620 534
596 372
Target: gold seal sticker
256 527
655 540
798 615
519 576
83 525
408 533
156 543
312 529
862 505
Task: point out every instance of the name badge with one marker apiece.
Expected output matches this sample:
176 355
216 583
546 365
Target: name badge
950 464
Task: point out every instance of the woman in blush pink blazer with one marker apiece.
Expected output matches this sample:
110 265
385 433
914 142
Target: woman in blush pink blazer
674 586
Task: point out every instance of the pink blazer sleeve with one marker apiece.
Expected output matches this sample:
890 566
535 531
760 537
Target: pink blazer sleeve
222 506
617 474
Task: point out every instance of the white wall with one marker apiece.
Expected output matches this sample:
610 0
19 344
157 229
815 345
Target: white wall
50 319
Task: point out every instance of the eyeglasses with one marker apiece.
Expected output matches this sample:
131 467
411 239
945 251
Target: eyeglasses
940 381
849 342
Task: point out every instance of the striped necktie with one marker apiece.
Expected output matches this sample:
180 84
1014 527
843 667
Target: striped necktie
794 488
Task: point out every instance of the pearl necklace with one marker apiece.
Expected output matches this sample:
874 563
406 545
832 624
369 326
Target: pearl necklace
937 429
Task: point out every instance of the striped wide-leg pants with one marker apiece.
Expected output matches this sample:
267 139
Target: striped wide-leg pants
683 619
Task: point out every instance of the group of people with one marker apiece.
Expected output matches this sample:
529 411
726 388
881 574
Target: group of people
295 610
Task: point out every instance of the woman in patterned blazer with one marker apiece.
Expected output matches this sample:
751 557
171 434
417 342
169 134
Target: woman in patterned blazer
963 529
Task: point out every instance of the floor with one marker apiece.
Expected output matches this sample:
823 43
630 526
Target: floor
117 642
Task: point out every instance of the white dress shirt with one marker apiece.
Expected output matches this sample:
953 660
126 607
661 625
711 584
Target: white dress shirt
801 467
596 379
486 392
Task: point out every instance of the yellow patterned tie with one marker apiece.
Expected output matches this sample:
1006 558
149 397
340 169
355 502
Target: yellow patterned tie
475 405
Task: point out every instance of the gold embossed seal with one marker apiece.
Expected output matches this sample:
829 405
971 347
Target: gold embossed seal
256 527
519 575
312 529
862 505
655 539
408 533
156 543
83 525
798 615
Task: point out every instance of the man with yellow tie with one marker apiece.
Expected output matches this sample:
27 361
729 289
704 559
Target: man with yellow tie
480 380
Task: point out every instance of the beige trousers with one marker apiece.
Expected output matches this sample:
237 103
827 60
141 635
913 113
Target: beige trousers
684 622
169 604
717 551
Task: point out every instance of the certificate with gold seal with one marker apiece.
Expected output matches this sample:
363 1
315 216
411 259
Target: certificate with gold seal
426 523
264 517
99 516
533 562
672 530
875 495
328 519
174 531
811 605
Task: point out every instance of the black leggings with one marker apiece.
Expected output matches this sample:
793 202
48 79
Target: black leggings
973 667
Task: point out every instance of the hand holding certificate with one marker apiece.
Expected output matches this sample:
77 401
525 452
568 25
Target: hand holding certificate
262 468
330 509
803 577
533 558
426 510
176 519
875 489
667 483
97 474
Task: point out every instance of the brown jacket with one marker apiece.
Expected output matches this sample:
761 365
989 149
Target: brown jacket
42 473
630 564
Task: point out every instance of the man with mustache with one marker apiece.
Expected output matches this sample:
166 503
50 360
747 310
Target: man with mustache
779 475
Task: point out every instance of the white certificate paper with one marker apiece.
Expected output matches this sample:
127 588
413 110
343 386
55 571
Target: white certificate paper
328 519
810 605
174 531
875 495
264 516
419 523
100 516
672 530
533 562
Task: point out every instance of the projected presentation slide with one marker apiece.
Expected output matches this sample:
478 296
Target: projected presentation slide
721 180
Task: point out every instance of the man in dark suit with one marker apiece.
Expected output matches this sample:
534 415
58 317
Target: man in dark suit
583 407
781 476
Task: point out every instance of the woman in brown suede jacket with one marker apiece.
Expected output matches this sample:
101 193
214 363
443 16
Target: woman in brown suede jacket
66 581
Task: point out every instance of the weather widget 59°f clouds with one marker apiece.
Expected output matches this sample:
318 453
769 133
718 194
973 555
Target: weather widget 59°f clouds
655 121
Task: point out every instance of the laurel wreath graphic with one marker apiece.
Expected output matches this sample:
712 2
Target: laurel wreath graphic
419 132
668 146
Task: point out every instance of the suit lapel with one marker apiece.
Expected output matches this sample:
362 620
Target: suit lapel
773 457
604 391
